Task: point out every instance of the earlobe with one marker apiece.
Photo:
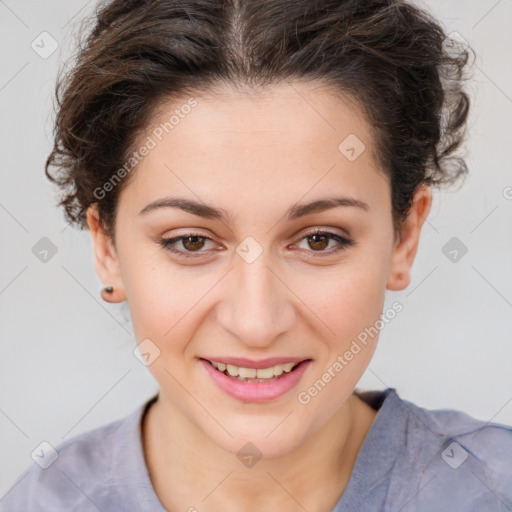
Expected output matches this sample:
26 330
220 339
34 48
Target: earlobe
105 257
406 248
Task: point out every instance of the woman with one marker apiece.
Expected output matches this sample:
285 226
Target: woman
255 176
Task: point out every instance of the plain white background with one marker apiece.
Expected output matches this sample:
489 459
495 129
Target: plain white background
66 360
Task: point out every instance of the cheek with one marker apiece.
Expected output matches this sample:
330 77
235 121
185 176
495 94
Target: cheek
168 303
345 299
159 295
350 303
159 312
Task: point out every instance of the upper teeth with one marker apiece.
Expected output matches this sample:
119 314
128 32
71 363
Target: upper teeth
253 373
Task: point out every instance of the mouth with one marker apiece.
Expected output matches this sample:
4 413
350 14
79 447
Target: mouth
256 371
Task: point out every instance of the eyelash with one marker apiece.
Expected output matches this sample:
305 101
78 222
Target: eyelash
343 242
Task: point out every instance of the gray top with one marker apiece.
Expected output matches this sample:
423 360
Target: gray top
412 460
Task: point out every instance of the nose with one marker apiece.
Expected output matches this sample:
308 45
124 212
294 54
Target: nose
257 307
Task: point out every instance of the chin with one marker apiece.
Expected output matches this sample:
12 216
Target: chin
261 439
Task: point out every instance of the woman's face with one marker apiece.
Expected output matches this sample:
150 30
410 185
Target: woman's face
256 283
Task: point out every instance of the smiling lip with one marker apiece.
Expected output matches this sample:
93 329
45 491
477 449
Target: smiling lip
247 363
257 392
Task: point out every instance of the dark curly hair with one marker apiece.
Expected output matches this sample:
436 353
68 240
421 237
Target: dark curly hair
388 55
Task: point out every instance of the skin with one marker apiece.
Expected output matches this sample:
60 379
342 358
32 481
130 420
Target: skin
254 157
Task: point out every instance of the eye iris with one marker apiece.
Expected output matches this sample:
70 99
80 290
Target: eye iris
194 241
318 245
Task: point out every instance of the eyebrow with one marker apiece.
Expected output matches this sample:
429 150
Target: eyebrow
294 212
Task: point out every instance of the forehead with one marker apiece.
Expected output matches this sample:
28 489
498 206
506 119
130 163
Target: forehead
294 140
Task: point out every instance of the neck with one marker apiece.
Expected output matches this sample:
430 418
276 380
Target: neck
187 469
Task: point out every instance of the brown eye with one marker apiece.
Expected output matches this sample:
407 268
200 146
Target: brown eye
318 241
192 244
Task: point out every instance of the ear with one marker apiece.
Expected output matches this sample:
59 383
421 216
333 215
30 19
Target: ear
407 245
105 256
